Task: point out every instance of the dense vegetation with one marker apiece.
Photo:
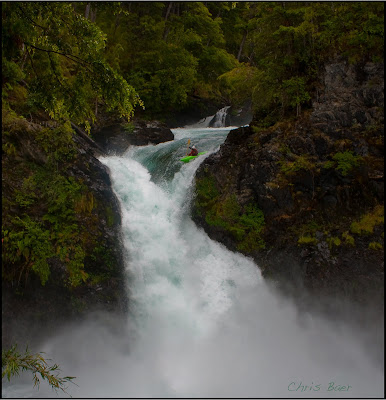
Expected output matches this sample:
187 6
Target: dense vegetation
68 58
67 61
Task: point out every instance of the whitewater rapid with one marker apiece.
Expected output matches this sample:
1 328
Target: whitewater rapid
202 322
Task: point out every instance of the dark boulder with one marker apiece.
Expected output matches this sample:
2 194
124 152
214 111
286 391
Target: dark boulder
118 137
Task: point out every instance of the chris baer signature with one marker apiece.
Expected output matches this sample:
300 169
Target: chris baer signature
329 387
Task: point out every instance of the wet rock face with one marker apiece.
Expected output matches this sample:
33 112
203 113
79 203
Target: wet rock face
350 94
289 172
31 312
117 137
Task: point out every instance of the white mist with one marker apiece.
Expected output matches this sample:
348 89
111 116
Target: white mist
202 321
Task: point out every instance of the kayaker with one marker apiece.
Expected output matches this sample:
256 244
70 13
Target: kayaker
194 151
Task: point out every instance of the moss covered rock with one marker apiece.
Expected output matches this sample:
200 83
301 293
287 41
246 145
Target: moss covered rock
61 229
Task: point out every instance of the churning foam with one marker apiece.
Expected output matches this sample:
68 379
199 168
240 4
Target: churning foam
202 321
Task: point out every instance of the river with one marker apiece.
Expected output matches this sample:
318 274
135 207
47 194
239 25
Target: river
202 322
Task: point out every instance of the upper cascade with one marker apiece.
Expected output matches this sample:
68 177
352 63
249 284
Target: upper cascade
220 119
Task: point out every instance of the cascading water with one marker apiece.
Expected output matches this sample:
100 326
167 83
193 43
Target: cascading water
218 120
202 322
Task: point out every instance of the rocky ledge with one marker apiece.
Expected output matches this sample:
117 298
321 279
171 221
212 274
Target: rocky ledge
116 137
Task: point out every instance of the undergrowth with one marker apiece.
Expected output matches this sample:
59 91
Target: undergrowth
245 226
48 215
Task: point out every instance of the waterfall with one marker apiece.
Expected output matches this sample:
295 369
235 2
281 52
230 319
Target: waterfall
202 321
220 118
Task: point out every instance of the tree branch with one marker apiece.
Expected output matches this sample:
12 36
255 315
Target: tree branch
77 59
31 20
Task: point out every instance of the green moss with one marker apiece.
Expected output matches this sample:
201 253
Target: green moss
206 191
307 240
348 239
57 143
375 246
245 227
307 230
301 163
101 253
252 241
110 216
86 202
333 241
368 221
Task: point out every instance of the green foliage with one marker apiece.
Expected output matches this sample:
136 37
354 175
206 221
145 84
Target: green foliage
32 240
170 50
252 221
11 72
206 192
166 79
57 143
29 242
346 161
295 93
60 54
49 216
12 363
129 127
368 221
237 84
289 42
246 226
301 163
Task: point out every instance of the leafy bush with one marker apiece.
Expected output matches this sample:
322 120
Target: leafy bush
346 161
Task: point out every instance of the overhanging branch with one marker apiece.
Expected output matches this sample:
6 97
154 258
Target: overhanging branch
69 56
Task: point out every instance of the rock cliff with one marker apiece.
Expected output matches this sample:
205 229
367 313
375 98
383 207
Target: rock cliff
61 252
304 197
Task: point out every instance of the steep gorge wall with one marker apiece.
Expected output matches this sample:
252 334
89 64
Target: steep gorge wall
318 181
60 212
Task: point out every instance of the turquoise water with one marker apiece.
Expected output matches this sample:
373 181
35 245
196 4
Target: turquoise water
202 322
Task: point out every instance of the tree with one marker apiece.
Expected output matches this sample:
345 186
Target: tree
61 56
12 363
